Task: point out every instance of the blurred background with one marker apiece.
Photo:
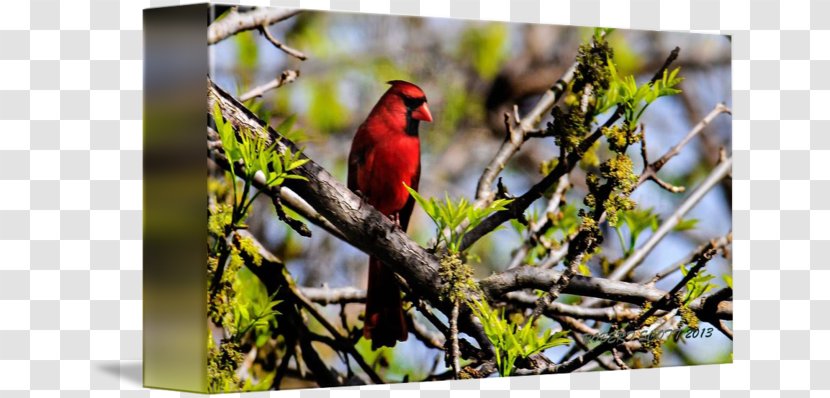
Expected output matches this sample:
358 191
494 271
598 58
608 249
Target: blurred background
472 72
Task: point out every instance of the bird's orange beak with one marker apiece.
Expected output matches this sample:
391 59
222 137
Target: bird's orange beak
422 113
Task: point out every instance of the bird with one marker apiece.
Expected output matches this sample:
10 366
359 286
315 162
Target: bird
386 154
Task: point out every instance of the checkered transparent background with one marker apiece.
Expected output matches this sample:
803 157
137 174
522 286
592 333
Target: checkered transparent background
70 197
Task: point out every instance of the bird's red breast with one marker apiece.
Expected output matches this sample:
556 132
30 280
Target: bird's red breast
386 149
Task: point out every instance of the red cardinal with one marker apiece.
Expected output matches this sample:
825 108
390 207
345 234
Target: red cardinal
385 154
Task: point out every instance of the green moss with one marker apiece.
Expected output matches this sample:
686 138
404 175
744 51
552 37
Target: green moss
248 247
689 317
568 128
615 205
590 158
546 167
219 219
620 170
457 277
221 367
593 65
219 304
620 137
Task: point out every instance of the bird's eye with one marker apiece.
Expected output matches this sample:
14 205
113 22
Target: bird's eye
413 103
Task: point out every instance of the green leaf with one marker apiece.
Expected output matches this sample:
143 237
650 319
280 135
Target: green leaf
698 285
510 340
426 205
686 224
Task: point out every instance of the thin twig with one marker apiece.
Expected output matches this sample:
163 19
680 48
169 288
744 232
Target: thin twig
618 359
342 341
720 243
516 135
422 333
287 76
538 228
340 295
651 169
721 326
671 222
280 45
454 351
667 300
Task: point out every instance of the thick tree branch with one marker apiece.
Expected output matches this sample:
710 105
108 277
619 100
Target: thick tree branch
236 22
500 285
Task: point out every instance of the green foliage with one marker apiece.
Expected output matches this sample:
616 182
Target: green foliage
309 32
696 286
257 156
686 224
688 316
220 304
601 33
450 215
636 221
571 126
511 341
623 91
728 280
620 169
328 114
253 310
564 223
590 159
484 45
246 46
626 59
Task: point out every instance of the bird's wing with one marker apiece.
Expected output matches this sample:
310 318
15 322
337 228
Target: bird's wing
406 211
357 157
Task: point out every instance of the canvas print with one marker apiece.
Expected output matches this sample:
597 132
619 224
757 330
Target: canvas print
402 199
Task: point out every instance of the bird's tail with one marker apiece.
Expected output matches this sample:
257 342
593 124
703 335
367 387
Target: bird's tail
384 321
